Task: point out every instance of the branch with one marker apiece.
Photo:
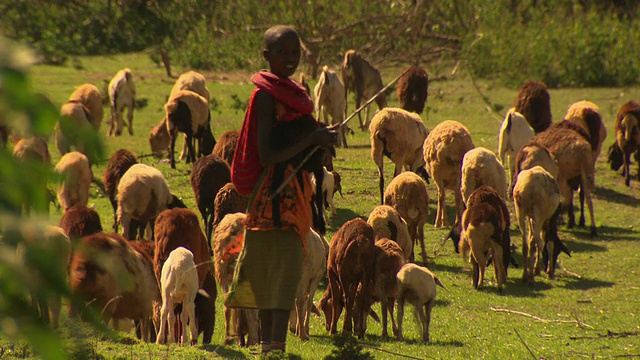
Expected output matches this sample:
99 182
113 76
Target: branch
394 353
539 319
525 345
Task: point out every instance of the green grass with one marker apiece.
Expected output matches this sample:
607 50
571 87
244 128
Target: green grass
598 291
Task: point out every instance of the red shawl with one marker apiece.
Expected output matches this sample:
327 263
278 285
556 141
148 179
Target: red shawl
246 168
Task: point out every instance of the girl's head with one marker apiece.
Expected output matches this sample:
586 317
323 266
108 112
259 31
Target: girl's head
282 50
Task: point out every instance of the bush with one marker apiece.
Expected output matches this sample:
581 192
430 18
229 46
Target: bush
591 49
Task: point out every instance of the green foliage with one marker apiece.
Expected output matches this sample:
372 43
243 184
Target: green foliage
585 49
346 347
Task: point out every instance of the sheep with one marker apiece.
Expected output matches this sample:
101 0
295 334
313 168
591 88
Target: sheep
531 155
407 194
628 134
226 145
228 201
38 240
227 243
417 285
33 148
485 231
209 174
119 162
389 259
316 251
79 221
76 176
72 128
574 157
122 94
514 134
444 149
399 135
89 96
159 139
413 88
587 115
480 166
143 193
537 199
331 99
350 264
179 284
188 112
533 102
179 227
115 278
387 222
362 79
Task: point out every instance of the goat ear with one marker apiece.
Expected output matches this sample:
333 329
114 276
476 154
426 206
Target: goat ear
563 248
314 310
201 292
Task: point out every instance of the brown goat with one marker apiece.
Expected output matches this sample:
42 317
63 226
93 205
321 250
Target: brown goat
533 101
115 277
209 174
80 221
119 162
413 88
226 145
350 264
627 128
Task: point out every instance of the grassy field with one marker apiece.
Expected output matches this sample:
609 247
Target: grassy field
590 311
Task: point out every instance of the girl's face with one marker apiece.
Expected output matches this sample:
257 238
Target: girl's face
284 55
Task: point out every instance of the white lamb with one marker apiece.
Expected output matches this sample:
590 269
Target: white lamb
122 94
481 167
179 285
515 133
417 285
331 100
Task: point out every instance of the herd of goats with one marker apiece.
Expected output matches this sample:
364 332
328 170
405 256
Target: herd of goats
162 257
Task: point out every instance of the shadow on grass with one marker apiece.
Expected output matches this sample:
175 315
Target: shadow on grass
517 288
438 268
614 196
573 283
612 233
581 246
225 352
342 216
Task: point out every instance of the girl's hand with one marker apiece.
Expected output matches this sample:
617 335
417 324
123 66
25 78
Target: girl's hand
325 136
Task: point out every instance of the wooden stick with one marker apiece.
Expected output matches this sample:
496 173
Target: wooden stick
306 158
539 319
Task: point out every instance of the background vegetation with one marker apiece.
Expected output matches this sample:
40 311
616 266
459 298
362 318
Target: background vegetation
590 311
560 42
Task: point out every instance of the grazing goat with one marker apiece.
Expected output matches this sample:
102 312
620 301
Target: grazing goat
188 113
533 102
399 135
533 154
627 128
387 222
79 221
72 128
362 79
350 264
122 94
413 88
89 96
444 149
228 201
